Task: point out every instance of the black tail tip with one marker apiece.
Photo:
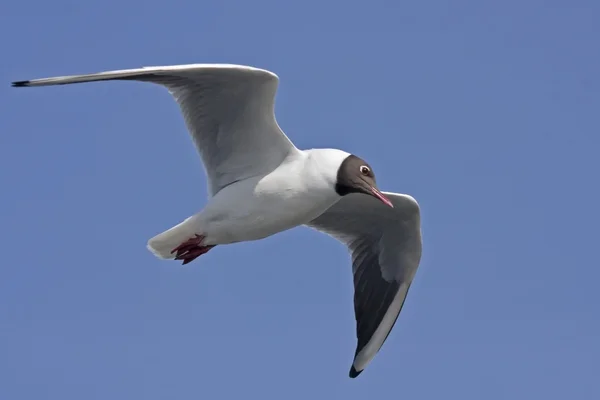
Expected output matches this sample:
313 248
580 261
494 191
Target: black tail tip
354 373
20 84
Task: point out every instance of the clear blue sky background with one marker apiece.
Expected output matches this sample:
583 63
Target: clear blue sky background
487 112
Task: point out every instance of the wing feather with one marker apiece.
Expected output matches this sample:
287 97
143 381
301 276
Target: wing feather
228 110
385 244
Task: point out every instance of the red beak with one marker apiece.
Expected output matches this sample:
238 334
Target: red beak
381 197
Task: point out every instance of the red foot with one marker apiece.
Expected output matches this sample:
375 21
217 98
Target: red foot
191 249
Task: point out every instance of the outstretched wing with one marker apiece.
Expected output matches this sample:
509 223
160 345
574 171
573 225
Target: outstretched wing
228 109
385 244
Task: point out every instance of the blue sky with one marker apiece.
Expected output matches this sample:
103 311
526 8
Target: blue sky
486 112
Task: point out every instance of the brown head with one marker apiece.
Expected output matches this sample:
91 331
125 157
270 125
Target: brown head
355 175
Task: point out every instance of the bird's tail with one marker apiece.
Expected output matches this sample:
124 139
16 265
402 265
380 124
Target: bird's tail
163 244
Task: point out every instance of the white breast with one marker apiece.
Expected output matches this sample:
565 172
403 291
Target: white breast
298 191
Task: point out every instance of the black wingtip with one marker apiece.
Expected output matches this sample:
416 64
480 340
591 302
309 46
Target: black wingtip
354 373
20 83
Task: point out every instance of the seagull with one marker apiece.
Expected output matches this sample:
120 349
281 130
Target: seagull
260 184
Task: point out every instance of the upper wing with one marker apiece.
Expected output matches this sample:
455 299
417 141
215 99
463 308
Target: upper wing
228 109
386 249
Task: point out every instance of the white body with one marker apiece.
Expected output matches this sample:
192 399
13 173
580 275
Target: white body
258 207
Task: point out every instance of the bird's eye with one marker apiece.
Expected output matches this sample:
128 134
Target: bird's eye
365 170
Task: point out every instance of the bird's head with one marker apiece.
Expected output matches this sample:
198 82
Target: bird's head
355 175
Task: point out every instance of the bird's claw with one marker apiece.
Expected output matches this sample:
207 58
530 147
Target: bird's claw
191 249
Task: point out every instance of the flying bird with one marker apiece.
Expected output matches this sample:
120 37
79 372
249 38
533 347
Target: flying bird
261 184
